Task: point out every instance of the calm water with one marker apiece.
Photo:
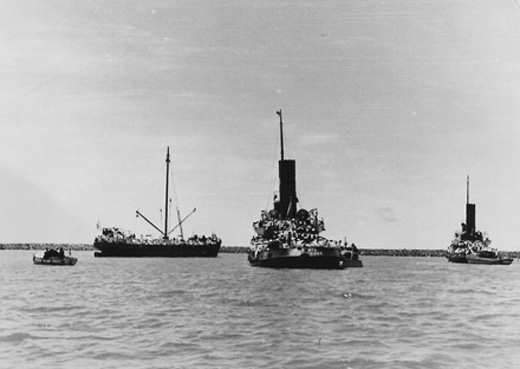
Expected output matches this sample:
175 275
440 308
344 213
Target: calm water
222 313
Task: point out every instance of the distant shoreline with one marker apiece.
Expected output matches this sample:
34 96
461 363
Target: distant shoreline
243 250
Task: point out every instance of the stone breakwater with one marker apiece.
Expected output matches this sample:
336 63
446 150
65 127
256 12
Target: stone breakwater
382 252
369 252
243 250
43 246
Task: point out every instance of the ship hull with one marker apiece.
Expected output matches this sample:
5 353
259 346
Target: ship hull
124 249
326 258
459 258
474 259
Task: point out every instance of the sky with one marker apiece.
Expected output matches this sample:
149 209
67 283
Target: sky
387 106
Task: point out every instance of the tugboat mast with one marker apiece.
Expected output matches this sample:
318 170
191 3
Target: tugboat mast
467 189
279 112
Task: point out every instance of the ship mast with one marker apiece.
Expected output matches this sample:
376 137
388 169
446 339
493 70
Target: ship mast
138 213
165 234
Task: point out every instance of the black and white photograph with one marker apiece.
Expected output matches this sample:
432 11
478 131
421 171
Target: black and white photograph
260 184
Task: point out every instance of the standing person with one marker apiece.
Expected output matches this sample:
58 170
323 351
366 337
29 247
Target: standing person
355 252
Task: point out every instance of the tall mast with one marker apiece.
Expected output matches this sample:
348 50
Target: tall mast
467 189
165 236
138 214
279 112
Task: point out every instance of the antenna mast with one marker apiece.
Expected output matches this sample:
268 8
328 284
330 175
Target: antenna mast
279 112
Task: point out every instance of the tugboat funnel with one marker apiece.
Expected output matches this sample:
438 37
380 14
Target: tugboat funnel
287 204
470 218
470 212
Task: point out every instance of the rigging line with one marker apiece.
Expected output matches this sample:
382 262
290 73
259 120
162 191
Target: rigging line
177 206
169 212
174 189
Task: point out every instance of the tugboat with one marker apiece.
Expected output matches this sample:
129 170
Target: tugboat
54 257
472 246
290 238
115 242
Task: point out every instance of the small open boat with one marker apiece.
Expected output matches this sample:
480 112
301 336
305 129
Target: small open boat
488 259
53 257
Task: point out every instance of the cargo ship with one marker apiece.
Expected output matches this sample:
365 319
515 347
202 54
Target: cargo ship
115 242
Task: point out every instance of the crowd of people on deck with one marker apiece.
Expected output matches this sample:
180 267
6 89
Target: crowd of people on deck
304 228
116 235
467 242
302 231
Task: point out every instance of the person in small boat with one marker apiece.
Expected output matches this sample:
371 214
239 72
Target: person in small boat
50 253
62 253
355 252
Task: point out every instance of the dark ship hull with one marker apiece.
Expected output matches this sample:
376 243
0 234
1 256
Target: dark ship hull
454 257
326 258
124 249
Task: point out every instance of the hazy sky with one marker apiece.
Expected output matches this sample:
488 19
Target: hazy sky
388 105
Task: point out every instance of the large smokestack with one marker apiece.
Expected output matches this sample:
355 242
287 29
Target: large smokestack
470 212
288 200
470 219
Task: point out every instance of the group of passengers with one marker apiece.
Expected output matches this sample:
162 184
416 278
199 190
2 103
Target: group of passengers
468 241
51 253
301 231
115 235
304 228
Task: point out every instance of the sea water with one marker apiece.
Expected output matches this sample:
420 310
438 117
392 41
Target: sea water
222 313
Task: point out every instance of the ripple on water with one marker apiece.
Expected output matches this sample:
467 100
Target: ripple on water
156 313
